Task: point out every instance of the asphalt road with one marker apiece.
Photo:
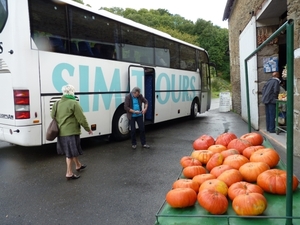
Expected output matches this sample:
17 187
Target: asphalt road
120 186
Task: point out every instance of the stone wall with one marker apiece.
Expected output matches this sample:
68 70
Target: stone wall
242 12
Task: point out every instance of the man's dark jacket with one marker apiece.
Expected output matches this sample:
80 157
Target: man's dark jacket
270 91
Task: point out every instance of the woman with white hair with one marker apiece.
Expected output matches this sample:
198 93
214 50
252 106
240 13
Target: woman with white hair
70 117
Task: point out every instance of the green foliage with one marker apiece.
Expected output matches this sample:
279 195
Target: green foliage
219 85
79 1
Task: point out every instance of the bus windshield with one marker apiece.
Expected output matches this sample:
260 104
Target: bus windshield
3 13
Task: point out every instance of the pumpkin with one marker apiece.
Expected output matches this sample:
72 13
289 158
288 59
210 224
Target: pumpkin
189 161
243 187
230 177
225 138
239 144
213 201
191 171
203 177
249 204
253 137
235 161
229 152
203 142
181 197
186 183
215 160
274 181
267 155
217 148
215 185
220 169
251 170
249 150
202 155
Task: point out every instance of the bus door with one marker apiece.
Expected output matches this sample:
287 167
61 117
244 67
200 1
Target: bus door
205 100
144 78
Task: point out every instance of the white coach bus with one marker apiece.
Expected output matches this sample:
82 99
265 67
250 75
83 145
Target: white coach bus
46 44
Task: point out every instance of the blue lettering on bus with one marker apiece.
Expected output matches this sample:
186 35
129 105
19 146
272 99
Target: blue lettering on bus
100 85
185 84
84 87
57 79
168 87
173 88
139 74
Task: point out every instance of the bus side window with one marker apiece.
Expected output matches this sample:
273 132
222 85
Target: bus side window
73 48
57 44
85 48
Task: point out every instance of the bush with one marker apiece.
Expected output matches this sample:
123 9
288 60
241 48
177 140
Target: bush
219 85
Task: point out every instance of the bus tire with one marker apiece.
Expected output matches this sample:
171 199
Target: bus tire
194 109
120 124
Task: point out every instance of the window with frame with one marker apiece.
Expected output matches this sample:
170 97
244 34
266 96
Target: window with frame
48 25
187 58
136 45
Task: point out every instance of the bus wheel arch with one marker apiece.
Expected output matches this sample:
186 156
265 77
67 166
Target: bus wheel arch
195 108
120 123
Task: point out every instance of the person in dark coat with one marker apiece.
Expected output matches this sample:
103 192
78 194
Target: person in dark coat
270 93
135 112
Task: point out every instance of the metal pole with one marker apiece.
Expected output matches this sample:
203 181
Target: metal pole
290 121
248 98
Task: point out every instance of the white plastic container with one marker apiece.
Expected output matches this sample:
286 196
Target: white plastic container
225 102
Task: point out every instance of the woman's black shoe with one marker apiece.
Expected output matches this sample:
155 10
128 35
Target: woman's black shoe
73 177
81 168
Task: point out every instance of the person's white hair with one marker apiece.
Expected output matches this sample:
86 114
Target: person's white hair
68 90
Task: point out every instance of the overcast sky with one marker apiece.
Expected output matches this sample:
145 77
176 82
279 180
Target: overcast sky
189 9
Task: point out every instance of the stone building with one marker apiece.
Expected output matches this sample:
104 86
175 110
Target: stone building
251 22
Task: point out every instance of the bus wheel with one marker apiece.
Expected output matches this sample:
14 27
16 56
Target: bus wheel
120 123
194 109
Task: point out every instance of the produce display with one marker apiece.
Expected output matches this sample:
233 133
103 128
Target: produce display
229 171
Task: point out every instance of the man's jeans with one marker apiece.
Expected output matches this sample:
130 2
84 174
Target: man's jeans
140 122
270 117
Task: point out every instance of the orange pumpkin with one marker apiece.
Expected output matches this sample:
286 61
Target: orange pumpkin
213 201
249 150
274 181
225 138
220 169
230 177
243 187
186 183
202 155
203 142
250 204
267 155
217 148
215 185
235 161
191 171
203 177
215 160
253 137
251 170
239 144
229 152
189 161
181 197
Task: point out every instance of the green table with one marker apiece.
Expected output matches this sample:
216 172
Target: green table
275 214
